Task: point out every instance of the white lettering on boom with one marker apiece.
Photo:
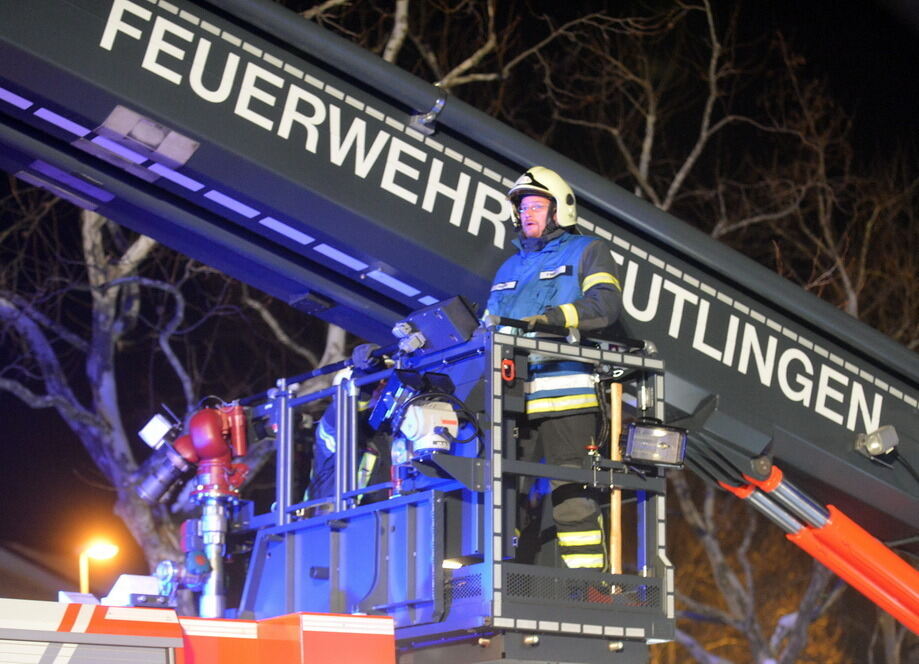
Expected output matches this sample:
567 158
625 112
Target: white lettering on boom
272 103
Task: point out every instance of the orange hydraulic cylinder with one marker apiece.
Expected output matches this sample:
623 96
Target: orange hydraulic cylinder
807 539
870 556
885 568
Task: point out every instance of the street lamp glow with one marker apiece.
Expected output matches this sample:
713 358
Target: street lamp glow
97 550
102 550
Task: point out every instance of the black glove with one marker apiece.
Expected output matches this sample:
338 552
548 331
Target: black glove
362 360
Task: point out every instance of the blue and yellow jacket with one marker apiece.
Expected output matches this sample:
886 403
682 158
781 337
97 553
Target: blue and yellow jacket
572 280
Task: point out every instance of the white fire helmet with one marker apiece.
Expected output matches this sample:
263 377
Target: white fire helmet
540 181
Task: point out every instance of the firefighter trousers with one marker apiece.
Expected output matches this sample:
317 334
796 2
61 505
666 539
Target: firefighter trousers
562 441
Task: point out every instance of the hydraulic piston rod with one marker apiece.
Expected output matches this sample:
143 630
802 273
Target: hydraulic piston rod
839 543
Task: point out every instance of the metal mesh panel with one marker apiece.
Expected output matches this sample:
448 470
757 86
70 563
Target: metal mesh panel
579 591
531 586
464 587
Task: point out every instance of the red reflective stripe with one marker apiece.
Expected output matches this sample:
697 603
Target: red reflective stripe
70 616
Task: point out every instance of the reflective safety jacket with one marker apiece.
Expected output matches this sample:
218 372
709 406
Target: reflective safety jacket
571 279
373 447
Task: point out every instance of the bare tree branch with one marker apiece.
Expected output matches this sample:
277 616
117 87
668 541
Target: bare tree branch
318 10
699 653
65 407
645 189
706 611
706 130
399 31
52 374
741 603
167 331
723 227
565 30
457 76
278 330
40 318
793 627
138 252
334 348
427 55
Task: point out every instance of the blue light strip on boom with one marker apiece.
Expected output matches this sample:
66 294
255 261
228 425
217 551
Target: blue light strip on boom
231 204
287 231
392 282
120 150
341 257
12 98
214 195
175 176
62 122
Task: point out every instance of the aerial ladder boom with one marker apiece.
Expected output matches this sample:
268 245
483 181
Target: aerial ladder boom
262 144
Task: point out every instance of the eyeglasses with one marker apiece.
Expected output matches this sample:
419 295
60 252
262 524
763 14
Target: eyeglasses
535 207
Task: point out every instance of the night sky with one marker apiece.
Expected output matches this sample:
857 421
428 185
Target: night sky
52 496
868 52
